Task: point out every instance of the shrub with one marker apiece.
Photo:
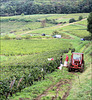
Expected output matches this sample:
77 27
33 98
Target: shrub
53 21
80 18
55 32
72 20
66 51
73 50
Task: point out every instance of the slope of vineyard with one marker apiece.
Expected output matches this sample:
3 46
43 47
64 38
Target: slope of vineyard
17 68
81 82
24 62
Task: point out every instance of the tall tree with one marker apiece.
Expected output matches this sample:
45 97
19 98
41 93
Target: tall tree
89 26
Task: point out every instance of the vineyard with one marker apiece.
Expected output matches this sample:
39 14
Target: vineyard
16 25
25 68
20 67
28 47
40 86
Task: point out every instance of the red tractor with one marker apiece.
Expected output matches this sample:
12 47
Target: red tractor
76 62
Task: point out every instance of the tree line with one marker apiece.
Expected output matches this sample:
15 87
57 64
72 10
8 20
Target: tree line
89 26
27 7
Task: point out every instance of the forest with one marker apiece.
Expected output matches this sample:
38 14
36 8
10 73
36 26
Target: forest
28 7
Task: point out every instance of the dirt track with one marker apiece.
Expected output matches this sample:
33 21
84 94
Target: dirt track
58 89
58 85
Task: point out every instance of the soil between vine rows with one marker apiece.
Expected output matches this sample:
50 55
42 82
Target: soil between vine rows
58 85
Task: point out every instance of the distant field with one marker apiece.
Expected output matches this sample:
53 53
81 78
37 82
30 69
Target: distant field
22 24
78 29
20 27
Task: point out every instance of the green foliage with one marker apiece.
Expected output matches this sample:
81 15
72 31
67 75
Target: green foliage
72 20
52 21
80 18
73 50
30 72
55 32
27 69
28 47
80 90
36 7
89 26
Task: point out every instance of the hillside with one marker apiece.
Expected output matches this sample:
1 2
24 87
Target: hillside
32 24
26 72
62 84
27 7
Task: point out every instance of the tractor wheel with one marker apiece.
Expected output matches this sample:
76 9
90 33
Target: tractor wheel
82 68
69 69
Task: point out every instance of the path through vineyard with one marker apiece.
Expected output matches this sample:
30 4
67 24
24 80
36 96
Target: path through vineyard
57 89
